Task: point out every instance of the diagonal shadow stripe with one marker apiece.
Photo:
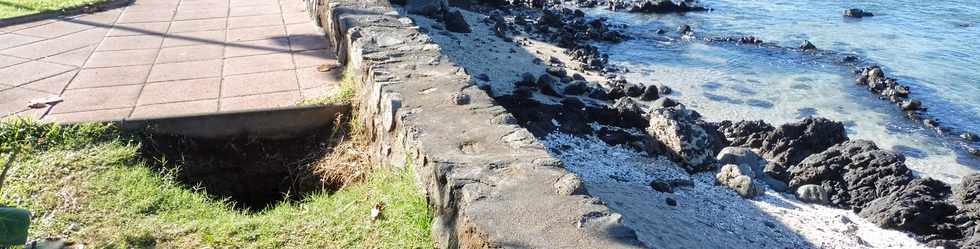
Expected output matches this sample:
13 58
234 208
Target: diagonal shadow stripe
188 38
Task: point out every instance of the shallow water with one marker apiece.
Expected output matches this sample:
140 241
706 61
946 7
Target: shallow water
931 48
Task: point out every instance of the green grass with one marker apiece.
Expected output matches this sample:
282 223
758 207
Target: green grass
86 182
345 92
12 8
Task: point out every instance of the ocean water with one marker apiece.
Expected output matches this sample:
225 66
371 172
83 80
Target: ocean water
933 47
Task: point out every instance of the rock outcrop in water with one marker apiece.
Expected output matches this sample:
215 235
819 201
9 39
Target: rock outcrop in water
790 143
807 46
857 13
874 78
656 6
645 6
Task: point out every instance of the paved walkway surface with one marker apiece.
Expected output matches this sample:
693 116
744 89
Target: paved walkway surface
164 58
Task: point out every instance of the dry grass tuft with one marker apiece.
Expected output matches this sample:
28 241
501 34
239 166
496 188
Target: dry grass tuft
348 161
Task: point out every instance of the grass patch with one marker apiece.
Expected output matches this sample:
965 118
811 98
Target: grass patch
86 182
13 8
345 92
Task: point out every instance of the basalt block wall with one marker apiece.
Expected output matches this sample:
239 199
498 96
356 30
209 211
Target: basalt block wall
488 181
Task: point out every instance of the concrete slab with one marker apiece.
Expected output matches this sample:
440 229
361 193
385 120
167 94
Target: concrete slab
201 13
185 70
198 25
54 29
130 42
44 48
54 84
262 101
277 123
110 76
312 58
122 58
259 83
254 10
97 115
161 14
75 57
258 63
246 48
163 58
310 77
150 28
17 99
191 53
175 109
255 33
102 98
194 38
254 21
6 61
30 71
181 90
12 40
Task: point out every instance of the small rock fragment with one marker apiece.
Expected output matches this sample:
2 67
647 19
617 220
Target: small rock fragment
459 98
812 193
661 186
807 46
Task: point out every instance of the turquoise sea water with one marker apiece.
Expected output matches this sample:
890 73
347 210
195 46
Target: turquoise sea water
932 46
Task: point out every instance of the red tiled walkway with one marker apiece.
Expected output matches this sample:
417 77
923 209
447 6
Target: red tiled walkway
163 58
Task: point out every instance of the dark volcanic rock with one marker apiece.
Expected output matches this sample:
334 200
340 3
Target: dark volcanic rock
656 6
455 22
684 29
634 90
968 136
791 143
650 93
556 71
630 114
745 133
968 192
661 186
857 13
911 105
663 103
613 137
854 173
919 208
807 46
430 8
577 88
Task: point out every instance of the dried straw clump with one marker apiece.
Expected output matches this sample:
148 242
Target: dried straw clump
348 161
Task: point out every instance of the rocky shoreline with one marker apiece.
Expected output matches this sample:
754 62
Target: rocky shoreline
869 75
579 93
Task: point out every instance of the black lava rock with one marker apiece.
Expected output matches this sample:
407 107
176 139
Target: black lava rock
807 46
857 13
455 22
650 93
661 186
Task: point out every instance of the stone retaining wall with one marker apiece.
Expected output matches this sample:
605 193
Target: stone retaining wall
489 182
